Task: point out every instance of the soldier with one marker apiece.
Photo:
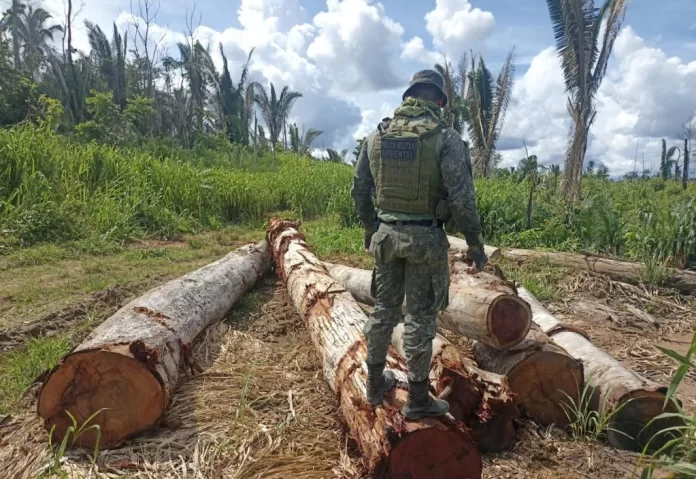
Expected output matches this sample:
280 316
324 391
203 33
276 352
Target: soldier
419 170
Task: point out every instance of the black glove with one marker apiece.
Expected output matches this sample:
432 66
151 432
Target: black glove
478 256
369 232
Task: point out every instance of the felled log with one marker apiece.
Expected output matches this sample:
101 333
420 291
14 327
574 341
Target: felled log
684 281
640 399
480 399
130 363
496 318
541 374
460 245
389 443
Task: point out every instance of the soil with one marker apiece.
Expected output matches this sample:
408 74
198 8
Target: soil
107 301
268 317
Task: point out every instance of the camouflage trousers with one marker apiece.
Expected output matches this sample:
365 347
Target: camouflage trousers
410 261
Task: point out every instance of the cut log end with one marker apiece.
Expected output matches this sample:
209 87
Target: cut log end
509 320
541 383
88 381
434 452
629 427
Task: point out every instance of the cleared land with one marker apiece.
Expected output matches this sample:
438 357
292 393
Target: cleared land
261 407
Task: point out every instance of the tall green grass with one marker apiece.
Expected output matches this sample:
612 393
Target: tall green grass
54 189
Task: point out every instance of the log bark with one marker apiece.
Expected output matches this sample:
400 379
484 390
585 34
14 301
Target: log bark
480 399
130 363
615 385
496 318
542 375
460 245
681 280
389 443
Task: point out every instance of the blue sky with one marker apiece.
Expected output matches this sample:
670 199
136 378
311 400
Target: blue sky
352 60
667 24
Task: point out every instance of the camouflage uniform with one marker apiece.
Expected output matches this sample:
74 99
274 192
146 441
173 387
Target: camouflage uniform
411 259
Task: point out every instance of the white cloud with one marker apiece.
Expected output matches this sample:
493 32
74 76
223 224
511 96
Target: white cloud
645 96
415 50
457 27
356 45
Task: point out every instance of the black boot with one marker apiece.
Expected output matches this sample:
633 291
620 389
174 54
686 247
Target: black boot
420 404
379 382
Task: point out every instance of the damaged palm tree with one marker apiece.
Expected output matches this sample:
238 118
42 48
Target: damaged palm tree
128 367
389 442
584 48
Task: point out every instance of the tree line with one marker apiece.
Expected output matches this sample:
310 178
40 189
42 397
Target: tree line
126 87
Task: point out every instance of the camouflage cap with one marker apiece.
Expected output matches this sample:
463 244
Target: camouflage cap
427 77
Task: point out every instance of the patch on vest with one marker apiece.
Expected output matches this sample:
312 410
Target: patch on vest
399 148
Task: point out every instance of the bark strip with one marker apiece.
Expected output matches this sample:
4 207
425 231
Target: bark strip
130 363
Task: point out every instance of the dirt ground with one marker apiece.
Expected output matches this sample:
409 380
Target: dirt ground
262 409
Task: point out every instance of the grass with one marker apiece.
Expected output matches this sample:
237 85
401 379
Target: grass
678 456
537 276
96 198
587 422
19 368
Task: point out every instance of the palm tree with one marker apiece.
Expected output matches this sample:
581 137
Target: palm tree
487 107
577 25
667 161
199 71
529 169
275 108
110 60
232 99
555 171
456 113
335 156
302 144
12 21
35 36
590 167
602 172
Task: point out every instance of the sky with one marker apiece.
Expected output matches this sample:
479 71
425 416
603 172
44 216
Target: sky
352 60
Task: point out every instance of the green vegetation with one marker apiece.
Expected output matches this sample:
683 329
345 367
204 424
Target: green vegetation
20 368
95 196
677 456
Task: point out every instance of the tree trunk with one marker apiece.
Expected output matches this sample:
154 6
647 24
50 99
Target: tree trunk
614 385
684 281
389 443
529 203
460 245
480 399
496 318
130 363
541 374
575 158
685 175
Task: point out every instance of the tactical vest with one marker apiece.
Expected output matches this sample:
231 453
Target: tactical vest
405 162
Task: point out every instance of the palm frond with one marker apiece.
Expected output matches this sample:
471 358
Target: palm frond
503 93
616 11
